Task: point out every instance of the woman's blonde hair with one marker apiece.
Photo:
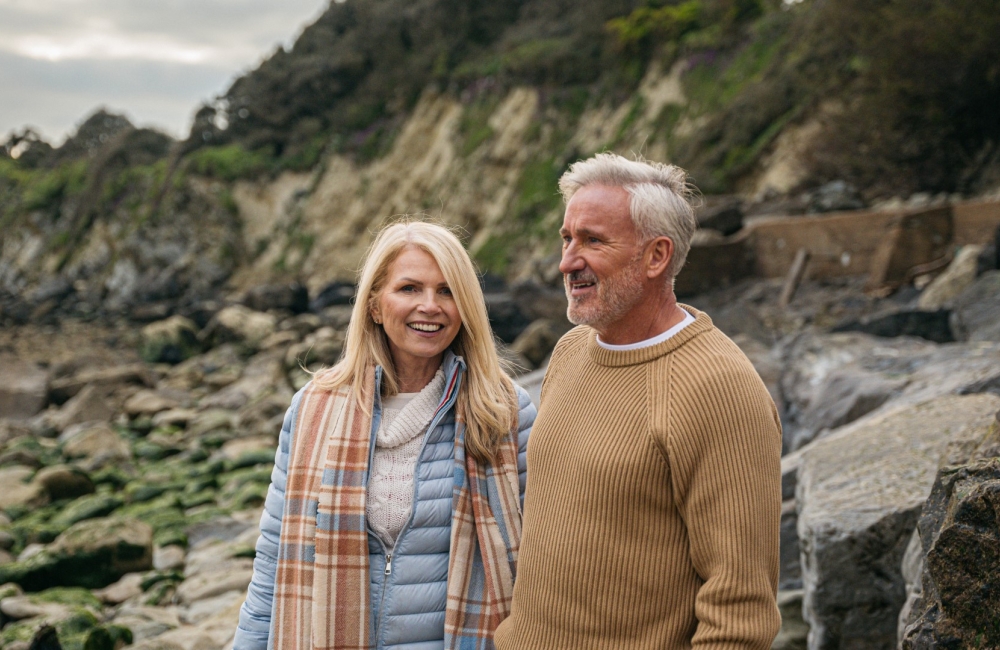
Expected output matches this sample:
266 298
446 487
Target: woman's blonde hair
486 397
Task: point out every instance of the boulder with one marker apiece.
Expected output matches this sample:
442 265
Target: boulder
238 324
64 482
146 622
168 558
947 286
506 317
790 575
846 395
235 575
293 297
94 441
23 388
977 309
170 341
959 527
262 375
536 300
333 294
149 402
88 507
106 379
15 490
88 405
809 361
860 491
320 348
794 632
724 215
931 325
90 554
537 341
129 586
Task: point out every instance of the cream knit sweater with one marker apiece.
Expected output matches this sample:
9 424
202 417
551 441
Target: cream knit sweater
652 510
397 447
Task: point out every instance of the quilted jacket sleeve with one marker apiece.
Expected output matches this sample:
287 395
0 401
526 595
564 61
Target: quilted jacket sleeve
525 419
255 616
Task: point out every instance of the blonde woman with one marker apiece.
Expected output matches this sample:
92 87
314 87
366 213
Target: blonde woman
393 519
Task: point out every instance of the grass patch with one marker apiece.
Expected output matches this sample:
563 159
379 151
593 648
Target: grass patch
229 162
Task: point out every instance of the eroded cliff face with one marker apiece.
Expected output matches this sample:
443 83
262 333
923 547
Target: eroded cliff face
497 185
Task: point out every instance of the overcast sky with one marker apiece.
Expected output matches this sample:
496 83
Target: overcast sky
154 60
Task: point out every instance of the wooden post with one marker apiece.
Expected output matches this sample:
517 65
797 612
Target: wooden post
794 277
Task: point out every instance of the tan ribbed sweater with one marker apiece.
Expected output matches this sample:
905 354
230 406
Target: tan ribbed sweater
652 510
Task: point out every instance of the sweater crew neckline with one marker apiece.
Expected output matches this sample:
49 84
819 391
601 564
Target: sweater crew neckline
619 358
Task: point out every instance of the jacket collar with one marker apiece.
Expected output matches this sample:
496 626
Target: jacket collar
450 366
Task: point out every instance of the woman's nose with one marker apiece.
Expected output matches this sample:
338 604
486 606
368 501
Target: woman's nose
429 301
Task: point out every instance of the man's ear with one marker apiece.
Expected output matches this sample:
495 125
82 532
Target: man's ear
659 253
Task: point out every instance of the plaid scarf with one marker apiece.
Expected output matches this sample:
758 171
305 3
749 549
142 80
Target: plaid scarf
321 590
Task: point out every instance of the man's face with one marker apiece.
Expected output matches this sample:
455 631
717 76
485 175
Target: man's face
601 257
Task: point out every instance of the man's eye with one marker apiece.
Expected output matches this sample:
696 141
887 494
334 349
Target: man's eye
593 240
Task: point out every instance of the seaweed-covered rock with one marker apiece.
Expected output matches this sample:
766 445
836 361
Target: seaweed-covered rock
64 482
91 554
960 527
170 341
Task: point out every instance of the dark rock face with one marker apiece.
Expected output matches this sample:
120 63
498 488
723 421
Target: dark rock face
931 325
977 309
335 293
960 526
725 216
293 297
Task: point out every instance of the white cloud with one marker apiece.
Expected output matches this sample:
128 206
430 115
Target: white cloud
155 61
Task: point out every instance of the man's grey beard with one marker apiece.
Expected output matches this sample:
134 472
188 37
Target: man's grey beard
616 295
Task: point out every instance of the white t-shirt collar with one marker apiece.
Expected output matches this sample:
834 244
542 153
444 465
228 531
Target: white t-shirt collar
656 340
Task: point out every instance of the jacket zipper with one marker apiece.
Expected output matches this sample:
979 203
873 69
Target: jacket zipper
387 573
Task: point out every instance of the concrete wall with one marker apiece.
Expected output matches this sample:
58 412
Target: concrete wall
976 222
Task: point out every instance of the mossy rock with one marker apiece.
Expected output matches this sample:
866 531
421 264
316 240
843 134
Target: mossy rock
252 459
92 554
171 535
198 498
106 637
250 495
170 341
72 631
139 492
89 507
111 475
233 481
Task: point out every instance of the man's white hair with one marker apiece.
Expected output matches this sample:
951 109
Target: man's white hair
660 197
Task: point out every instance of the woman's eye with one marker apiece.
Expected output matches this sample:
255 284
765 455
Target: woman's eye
408 288
445 291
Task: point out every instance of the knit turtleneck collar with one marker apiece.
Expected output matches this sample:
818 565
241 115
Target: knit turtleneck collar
413 418
617 358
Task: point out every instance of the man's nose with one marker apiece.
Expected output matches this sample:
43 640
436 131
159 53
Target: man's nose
571 260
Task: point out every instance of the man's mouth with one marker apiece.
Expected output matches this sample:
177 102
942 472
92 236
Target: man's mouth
580 283
425 327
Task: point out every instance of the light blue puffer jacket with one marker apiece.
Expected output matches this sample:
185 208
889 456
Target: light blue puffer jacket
407 602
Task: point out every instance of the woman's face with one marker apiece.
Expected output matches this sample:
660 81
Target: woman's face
416 309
